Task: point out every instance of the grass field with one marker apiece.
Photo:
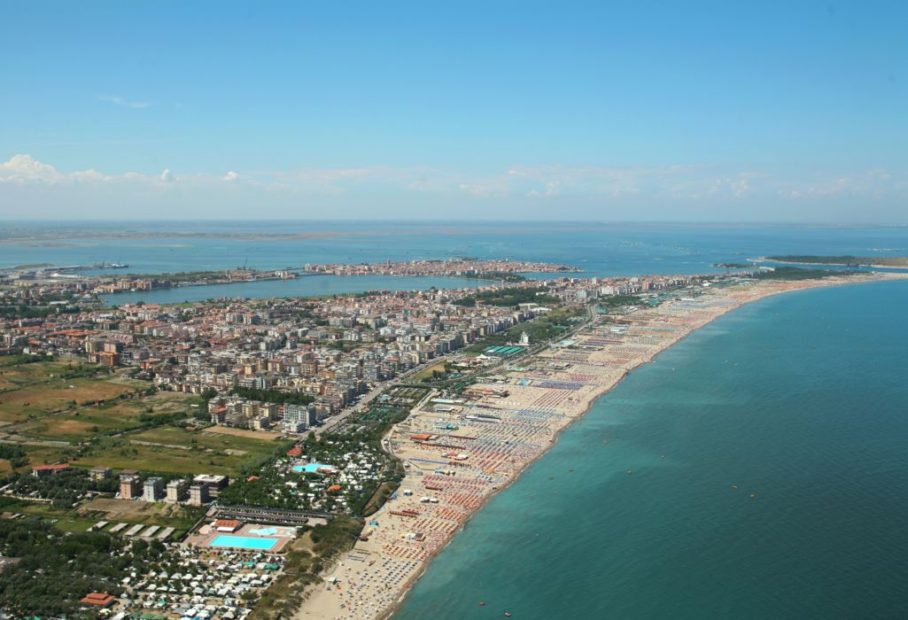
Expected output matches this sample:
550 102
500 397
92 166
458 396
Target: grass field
173 449
112 510
426 373
40 399
32 390
112 417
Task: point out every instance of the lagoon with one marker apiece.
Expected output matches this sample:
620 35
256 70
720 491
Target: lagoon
304 286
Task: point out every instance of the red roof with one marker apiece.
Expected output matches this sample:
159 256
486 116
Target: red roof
295 451
60 467
229 524
98 599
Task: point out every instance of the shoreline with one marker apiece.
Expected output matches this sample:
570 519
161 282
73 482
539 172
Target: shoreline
325 603
820 265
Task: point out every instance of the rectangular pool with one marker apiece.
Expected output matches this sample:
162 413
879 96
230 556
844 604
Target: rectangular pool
243 542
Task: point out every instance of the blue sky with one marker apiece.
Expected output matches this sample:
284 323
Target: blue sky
720 111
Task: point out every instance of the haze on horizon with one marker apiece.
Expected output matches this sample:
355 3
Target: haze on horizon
621 111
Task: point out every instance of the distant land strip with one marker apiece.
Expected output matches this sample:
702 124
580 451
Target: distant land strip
869 261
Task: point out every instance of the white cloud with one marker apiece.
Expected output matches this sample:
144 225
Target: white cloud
90 176
552 190
125 103
25 168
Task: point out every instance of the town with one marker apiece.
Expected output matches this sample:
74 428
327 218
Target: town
249 436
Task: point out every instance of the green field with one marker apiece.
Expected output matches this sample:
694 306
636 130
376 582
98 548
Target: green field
32 390
172 449
112 417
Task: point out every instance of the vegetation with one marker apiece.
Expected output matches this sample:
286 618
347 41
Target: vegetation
797 273
540 329
178 450
55 569
617 301
361 435
13 453
500 276
305 559
510 296
23 311
273 396
853 261
63 489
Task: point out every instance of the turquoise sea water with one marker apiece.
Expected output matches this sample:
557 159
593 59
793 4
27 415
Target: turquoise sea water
756 470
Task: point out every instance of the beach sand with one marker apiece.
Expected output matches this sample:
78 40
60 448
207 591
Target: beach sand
483 444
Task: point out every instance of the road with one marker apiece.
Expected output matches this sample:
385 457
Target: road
334 422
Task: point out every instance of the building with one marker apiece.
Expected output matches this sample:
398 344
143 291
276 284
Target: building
214 483
297 418
153 489
98 599
198 495
176 491
41 471
130 485
227 525
99 473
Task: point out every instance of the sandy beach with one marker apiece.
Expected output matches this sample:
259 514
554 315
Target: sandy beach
460 454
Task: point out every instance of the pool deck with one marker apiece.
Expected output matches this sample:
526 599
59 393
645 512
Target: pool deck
206 535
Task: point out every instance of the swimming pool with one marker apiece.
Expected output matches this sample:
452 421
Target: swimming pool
310 468
243 542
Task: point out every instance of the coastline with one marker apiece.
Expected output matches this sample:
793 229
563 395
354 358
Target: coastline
363 591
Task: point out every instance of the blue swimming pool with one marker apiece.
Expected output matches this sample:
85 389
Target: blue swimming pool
310 468
243 542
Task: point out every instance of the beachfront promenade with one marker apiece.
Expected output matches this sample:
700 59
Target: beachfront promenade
457 458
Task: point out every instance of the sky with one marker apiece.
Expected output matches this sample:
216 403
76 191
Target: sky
606 111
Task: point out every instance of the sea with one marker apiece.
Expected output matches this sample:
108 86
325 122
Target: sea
597 249
758 469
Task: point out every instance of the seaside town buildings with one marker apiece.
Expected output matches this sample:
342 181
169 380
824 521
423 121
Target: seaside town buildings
324 353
